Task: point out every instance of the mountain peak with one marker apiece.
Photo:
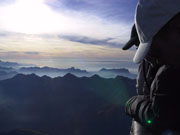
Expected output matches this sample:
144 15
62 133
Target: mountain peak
95 76
72 68
21 76
69 75
45 76
124 70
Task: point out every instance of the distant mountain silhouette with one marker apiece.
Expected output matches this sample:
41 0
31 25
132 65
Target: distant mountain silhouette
6 69
111 73
6 75
53 72
122 70
8 64
49 69
13 64
65 105
9 72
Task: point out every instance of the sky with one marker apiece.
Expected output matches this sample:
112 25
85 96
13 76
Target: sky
65 29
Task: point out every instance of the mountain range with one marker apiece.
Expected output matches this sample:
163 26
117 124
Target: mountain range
8 64
65 105
13 64
6 75
7 72
10 69
112 73
6 69
53 72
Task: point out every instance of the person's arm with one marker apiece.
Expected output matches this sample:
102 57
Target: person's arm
139 107
142 89
161 107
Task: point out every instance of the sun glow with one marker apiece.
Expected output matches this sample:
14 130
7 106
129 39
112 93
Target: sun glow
30 17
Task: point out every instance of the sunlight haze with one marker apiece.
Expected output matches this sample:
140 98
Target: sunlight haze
48 29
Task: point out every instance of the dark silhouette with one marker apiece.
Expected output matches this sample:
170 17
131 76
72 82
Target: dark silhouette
65 105
155 110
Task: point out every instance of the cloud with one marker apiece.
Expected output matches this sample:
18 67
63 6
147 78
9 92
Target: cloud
77 28
10 33
32 53
92 41
119 10
67 20
18 54
3 35
5 2
114 42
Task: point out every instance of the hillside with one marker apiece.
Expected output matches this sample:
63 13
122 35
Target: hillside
66 105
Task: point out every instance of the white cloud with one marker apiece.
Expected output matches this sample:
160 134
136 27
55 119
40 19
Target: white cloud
35 17
54 46
32 26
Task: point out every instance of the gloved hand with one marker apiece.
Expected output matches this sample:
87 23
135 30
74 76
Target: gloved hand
134 104
128 106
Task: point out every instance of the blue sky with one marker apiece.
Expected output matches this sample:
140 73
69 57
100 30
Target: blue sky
114 10
47 29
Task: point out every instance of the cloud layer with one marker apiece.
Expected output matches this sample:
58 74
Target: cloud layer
65 28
